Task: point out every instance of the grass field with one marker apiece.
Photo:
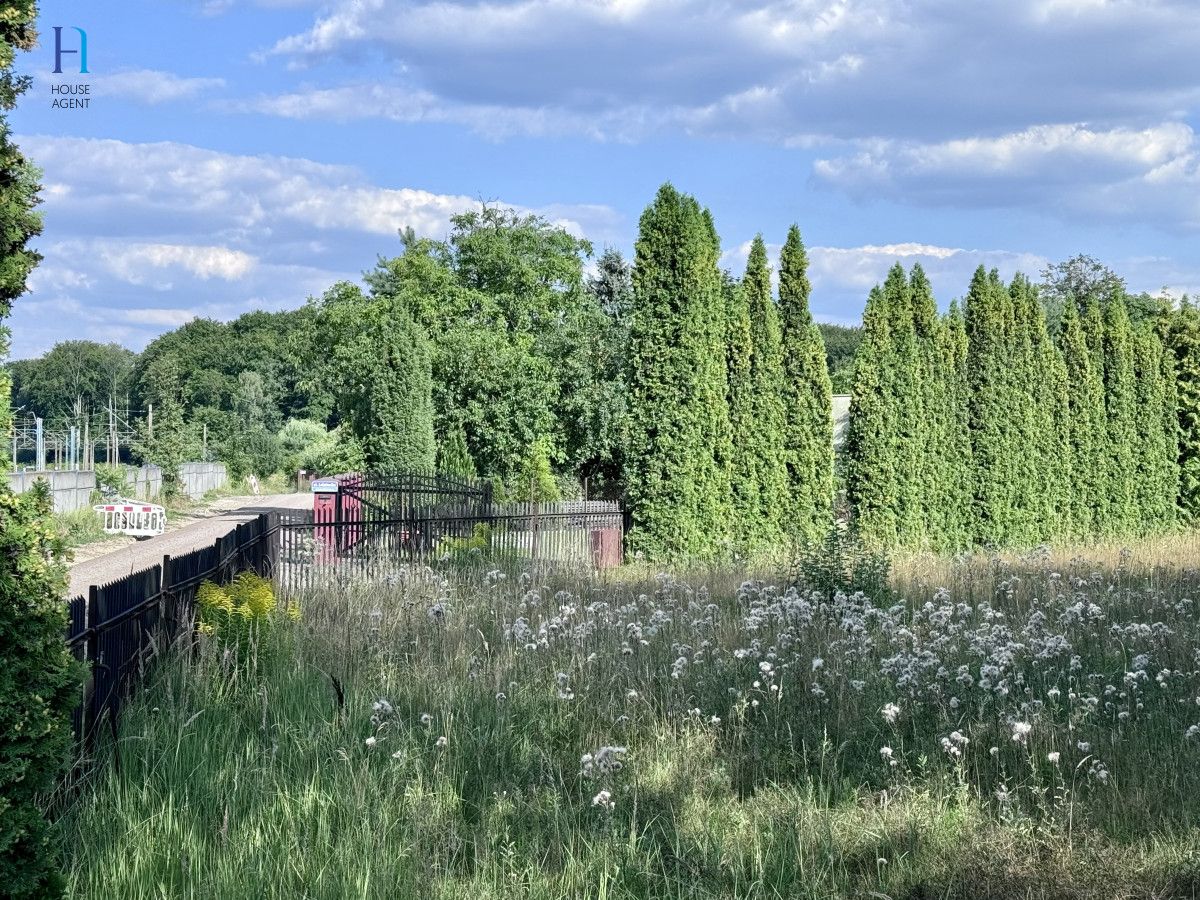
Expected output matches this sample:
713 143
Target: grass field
991 727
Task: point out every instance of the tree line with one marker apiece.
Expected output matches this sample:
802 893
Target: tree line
700 398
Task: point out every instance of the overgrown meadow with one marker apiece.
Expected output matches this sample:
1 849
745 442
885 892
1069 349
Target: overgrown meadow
987 726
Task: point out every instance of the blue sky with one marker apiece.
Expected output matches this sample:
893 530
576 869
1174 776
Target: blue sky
242 154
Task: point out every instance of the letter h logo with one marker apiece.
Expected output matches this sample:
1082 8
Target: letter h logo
59 51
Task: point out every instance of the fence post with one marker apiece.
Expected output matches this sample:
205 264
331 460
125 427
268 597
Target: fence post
168 607
93 657
271 534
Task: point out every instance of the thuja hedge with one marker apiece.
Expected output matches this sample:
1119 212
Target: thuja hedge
979 429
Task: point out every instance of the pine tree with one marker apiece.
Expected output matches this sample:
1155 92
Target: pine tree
807 393
678 484
766 388
872 475
905 403
717 499
1039 397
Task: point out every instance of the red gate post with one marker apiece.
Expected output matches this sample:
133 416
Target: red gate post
325 497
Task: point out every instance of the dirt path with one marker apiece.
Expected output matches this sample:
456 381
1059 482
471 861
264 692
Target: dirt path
107 561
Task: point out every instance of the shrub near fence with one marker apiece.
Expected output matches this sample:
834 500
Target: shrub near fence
119 627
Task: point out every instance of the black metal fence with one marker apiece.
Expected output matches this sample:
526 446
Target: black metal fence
583 534
118 628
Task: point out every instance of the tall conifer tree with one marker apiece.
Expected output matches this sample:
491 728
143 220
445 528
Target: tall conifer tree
1156 463
679 444
751 531
807 393
959 469
1121 515
1085 425
768 442
989 328
1183 337
871 464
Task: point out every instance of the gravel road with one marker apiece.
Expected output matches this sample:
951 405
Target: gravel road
104 562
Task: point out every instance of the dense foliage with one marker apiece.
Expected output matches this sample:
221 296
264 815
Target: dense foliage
806 389
1039 439
37 675
678 461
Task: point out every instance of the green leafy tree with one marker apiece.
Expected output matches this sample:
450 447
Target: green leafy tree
163 437
73 379
38 677
503 300
807 396
841 343
677 491
587 353
380 363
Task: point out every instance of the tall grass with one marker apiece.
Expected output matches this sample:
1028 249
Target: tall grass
510 734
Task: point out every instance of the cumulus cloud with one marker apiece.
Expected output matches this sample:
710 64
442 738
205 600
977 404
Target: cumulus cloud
1116 173
173 186
778 69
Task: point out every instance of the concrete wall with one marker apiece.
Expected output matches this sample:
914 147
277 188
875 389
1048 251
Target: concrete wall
199 478
71 490
144 483
841 418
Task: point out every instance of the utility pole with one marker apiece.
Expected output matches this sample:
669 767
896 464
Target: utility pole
150 423
39 452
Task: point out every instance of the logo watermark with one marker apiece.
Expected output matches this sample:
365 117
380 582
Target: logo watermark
65 95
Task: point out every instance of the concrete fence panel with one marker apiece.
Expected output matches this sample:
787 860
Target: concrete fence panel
71 490
198 478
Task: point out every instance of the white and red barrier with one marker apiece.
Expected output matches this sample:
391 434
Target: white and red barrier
134 519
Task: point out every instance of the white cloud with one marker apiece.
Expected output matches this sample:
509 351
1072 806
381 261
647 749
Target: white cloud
773 69
240 198
1116 173
129 261
151 86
